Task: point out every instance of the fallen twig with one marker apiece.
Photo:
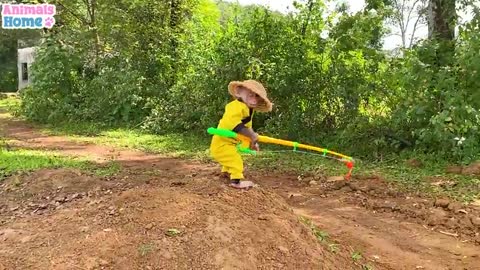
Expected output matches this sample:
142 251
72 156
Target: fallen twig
447 233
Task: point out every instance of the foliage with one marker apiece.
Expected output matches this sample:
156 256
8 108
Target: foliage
21 160
165 67
443 116
102 64
8 64
9 104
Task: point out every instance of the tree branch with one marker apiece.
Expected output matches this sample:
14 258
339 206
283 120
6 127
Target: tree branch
393 34
305 25
78 17
414 30
401 18
89 11
410 12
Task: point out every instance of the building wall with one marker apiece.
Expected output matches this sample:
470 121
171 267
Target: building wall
26 57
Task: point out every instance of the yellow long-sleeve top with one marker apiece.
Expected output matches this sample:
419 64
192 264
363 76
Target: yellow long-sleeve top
237 115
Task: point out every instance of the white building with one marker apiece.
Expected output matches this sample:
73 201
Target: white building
26 57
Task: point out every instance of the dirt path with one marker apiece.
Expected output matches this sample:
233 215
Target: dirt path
390 229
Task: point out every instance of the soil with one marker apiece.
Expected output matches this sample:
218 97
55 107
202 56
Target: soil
166 213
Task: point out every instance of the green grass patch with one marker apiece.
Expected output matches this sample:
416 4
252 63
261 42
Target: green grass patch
9 104
194 145
356 256
395 170
324 239
431 177
146 249
178 145
21 160
82 130
283 159
321 236
278 158
301 162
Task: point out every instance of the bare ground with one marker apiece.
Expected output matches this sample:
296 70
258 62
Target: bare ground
165 213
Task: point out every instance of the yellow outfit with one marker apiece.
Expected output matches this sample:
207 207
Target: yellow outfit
224 150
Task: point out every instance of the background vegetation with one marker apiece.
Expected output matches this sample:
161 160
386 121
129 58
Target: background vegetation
164 66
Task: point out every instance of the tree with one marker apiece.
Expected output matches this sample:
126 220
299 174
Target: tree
408 17
441 19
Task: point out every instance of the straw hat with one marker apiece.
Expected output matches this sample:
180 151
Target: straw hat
257 88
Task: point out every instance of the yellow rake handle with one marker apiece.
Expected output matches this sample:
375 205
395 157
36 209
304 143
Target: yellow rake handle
295 145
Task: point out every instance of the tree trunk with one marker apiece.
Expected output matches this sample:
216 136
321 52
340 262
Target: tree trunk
175 16
442 17
92 24
307 21
95 31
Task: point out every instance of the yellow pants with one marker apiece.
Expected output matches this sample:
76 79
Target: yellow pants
225 152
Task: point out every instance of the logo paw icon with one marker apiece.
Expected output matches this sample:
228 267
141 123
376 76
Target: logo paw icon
49 22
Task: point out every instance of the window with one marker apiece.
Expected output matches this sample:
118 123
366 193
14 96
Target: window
24 72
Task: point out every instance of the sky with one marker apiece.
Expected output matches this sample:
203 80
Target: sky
390 42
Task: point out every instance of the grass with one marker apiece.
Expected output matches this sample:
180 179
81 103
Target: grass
191 145
9 105
22 160
280 159
321 236
367 267
14 161
146 249
396 171
9 100
324 238
461 187
356 256
178 145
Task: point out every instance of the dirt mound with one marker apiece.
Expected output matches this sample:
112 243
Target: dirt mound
377 195
130 221
200 224
472 169
49 189
447 217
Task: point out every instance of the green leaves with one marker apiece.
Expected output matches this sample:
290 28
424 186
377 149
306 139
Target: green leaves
166 66
443 106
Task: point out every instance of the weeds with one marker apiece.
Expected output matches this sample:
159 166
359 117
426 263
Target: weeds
21 160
